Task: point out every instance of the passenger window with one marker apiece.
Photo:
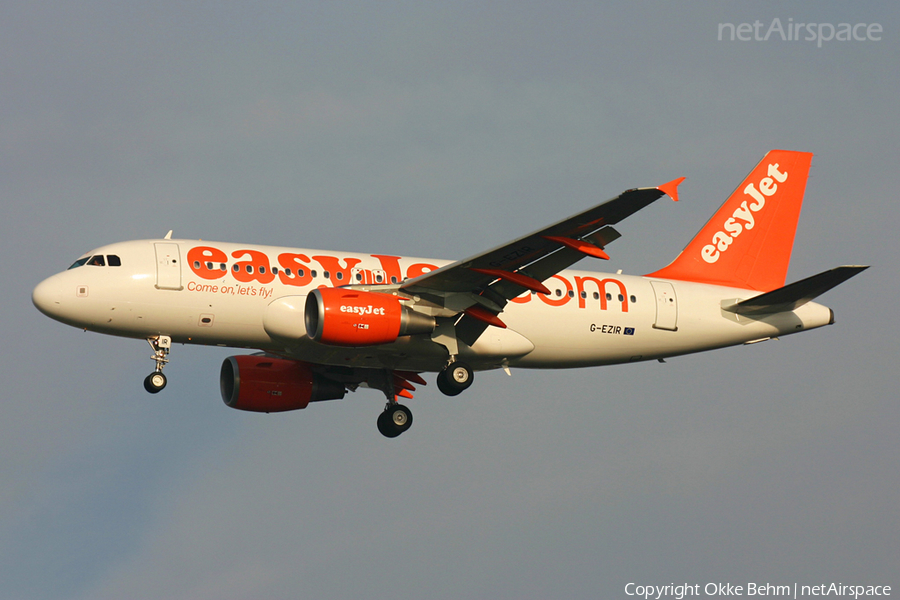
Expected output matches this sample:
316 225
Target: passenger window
113 261
326 275
608 296
633 299
621 298
339 275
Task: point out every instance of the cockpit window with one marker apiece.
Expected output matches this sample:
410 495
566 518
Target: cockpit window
98 261
79 262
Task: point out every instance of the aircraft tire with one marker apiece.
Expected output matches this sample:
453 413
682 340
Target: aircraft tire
455 378
394 420
386 427
155 382
445 386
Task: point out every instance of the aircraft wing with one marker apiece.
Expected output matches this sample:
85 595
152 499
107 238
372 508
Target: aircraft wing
503 273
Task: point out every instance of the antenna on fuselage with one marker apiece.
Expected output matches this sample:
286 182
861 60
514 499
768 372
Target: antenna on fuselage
168 235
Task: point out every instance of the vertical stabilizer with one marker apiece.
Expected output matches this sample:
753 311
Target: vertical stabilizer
748 242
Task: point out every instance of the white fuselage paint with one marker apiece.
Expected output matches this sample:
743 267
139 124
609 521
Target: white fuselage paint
138 300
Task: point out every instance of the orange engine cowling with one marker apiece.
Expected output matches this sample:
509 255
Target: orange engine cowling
264 384
343 317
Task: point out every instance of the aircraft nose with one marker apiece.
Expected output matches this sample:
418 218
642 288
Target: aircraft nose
47 297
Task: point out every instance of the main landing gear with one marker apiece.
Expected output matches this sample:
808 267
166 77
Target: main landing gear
395 419
156 381
455 378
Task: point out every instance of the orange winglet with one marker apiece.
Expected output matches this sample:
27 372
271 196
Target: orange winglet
485 316
671 189
580 245
529 283
410 376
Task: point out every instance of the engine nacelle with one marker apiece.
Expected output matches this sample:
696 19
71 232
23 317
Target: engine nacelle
343 317
264 384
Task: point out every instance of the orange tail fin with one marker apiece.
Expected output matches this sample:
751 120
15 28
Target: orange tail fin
747 244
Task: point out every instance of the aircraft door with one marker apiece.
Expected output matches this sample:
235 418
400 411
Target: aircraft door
168 266
666 306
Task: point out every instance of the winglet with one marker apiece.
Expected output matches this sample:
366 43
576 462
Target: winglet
671 189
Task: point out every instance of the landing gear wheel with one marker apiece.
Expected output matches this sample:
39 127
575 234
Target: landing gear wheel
444 386
386 427
394 420
455 378
155 382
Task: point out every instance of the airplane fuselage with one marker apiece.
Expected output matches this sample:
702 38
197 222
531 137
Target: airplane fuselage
251 296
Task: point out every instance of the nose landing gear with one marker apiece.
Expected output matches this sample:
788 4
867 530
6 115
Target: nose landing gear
156 381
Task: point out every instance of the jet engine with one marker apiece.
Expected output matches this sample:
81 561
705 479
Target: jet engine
265 384
341 317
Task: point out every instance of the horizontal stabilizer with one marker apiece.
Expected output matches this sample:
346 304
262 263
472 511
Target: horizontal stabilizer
796 294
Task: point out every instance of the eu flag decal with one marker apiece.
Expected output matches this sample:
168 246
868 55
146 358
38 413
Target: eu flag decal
628 331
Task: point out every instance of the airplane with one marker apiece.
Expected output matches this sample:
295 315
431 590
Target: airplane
327 323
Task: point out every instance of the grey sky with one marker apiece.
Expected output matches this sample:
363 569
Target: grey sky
438 129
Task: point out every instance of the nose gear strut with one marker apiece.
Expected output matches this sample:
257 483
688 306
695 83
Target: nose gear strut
156 381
